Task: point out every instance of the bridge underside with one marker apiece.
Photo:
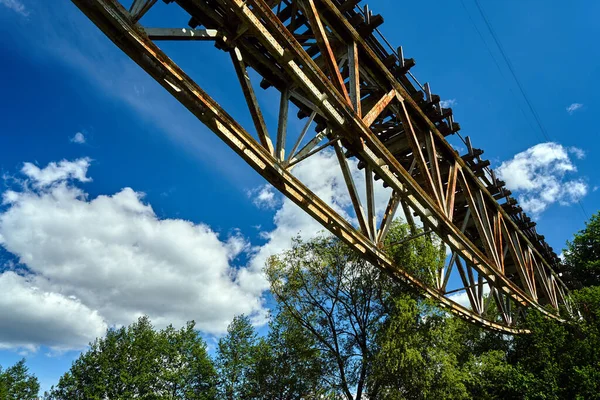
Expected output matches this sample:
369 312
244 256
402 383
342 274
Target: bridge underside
358 100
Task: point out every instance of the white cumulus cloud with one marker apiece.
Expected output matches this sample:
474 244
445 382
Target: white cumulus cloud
106 260
57 172
448 103
109 260
32 316
542 176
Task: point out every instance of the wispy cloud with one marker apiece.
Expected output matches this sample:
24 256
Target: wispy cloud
577 152
57 172
16 6
264 197
574 107
448 103
79 138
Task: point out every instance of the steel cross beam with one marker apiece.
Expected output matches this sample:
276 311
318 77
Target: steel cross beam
426 175
257 14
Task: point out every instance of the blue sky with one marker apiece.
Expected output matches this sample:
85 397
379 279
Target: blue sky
144 164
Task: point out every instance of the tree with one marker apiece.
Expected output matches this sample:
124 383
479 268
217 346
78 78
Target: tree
16 383
562 360
489 375
235 358
190 373
343 302
418 354
422 255
287 362
329 291
557 360
582 256
585 351
282 365
141 362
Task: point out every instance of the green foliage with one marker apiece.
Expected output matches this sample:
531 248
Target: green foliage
16 383
418 354
373 335
283 365
336 297
140 362
287 363
582 256
411 349
540 354
343 329
490 376
587 302
235 357
555 361
422 256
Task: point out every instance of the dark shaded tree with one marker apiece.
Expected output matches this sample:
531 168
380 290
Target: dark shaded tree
557 360
561 360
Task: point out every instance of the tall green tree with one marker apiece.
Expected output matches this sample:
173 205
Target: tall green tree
282 365
562 360
139 362
330 291
344 303
557 360
582 256
235 359
418 354
16 383
287 363
489 375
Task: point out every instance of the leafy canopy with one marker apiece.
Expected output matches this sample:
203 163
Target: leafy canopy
582 256
16 383
140 362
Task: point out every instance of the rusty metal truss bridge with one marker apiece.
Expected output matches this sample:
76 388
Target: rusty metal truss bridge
356 98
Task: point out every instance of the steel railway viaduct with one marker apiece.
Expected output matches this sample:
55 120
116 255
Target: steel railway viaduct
357 98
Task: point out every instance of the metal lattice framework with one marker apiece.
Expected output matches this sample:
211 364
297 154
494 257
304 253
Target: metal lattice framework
359 99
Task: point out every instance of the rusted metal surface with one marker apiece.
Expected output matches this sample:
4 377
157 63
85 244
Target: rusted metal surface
324 59
248 90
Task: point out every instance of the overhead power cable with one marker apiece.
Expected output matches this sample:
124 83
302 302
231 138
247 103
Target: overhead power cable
515 77
491 53
512 71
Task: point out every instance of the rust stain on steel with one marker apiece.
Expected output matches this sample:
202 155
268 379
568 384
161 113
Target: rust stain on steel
433 196
355 126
